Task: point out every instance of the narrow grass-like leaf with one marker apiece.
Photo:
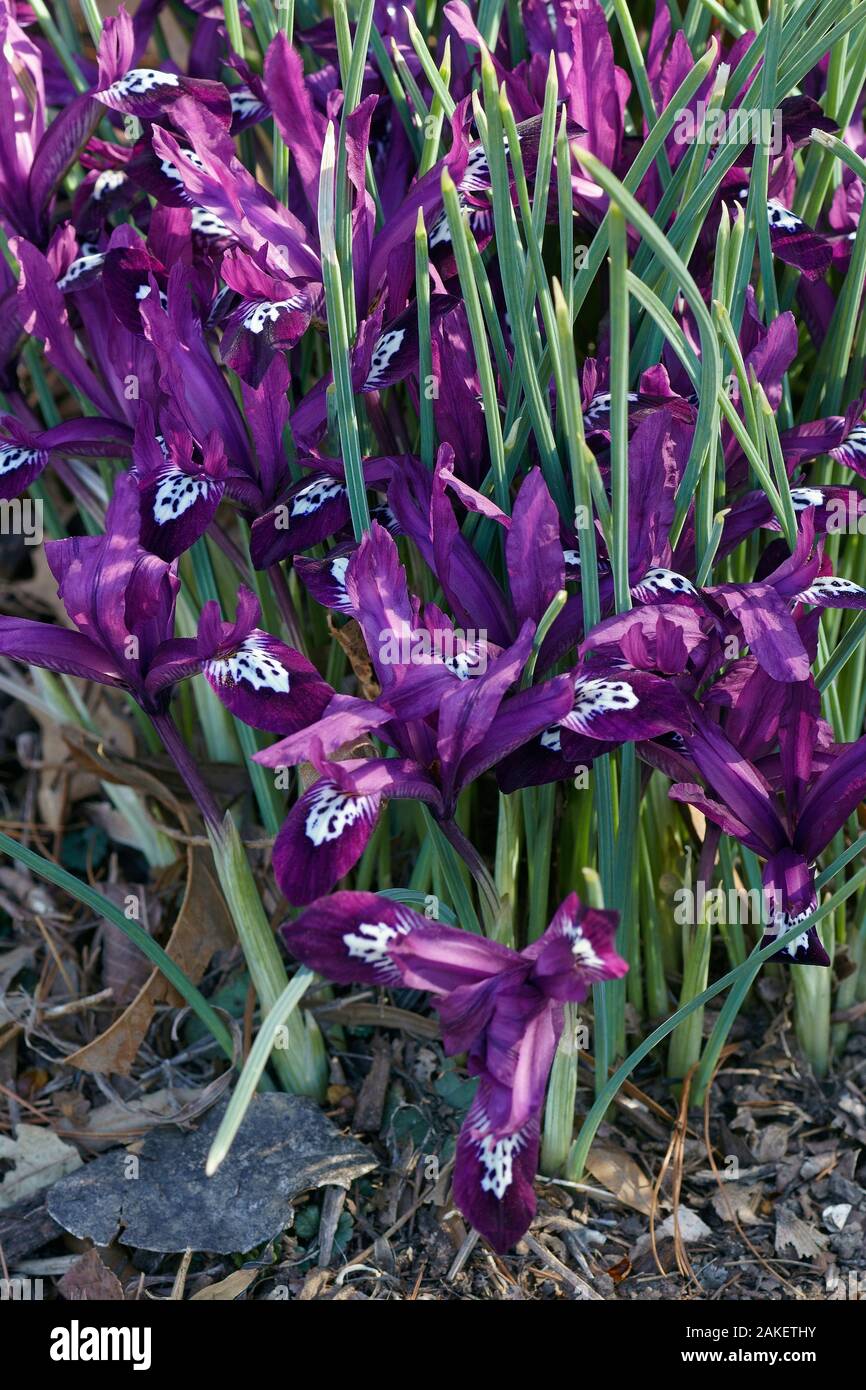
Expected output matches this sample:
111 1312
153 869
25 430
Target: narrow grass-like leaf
425 359
302 1067
247 1084
460 235
711 362
338 337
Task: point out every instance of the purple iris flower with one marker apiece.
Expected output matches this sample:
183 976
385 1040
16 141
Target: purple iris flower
263 682
180 486
121 598
444 709
25 453
502 1007
148 93
205 172
34 154
819 798
312 509
271 317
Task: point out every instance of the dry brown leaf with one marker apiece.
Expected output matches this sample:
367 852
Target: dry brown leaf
13 961
33 1160
90 1281
619 1173
733 1201
120 1121
124 969
351 639
202 928
97 759
793 1234
38 597
227 1289
60 783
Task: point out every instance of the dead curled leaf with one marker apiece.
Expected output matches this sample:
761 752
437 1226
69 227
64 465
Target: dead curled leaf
351 639
227 1289
33 1160
792 1233
121 1122
619 1173
202 927
90 1280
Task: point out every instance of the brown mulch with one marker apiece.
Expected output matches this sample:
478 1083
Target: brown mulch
773 1209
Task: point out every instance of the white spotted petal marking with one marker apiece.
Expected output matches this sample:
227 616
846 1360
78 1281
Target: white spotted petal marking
332 812
497 1159
600 405
207 224
170 171
139 82
551 739
803 497
828 587
15 456
252 663
313 496
386 347
370 942
781 218
582 949
176 492
599 696
245 103
339 566
783 922
80 266
855 443
266 311
496 1154
108 182
476 178
663 581
440 232
464 665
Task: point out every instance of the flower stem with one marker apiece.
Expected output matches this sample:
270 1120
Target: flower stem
490 902
188 769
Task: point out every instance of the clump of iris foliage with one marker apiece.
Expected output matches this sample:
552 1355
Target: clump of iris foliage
455 415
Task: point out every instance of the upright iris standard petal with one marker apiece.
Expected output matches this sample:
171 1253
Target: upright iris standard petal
577 951
533 549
